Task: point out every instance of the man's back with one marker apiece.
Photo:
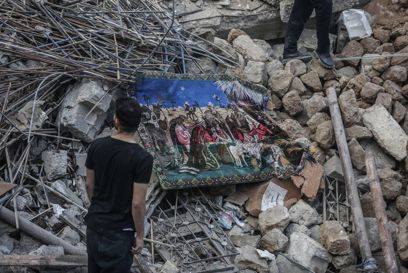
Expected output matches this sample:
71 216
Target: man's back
117 165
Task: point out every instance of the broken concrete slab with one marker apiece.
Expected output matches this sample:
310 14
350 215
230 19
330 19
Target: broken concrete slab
387 132
296 67
80 159
274 240
334 238
303 214
383 160
316 120
349 108
247 47
169 267
70 235
275 217
84 109
317 103
62 188
6 244
286 264
238 198
240 239
292 103
55 163
353 49
390 181
325 134
372 233
342 261
279 82
249 259
25 116
315 233
44 250
293 227
255 72
312 81
357 154
308 253
333 168
358 132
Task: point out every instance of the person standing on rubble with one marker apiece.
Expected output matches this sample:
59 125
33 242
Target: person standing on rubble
117 173
301 12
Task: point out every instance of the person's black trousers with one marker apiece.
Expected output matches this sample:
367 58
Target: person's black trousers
301 11
109 251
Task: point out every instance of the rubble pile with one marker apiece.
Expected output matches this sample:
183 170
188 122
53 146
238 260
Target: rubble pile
371 83
53 106
62 65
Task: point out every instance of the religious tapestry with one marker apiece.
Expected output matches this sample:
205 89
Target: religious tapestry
206 131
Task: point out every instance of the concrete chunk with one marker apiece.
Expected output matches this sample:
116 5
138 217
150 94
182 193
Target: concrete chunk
55 163
275 217
44 250
286 265
246 46
303 214
80 159
308 253
387 132
333 168
249 259
240 239
75 114
274 240
334 238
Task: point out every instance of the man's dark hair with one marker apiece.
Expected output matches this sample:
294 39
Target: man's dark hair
128 112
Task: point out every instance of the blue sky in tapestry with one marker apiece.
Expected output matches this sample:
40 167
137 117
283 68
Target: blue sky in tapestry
173 93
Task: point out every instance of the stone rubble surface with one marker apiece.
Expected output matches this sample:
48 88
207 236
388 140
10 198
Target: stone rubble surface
372 96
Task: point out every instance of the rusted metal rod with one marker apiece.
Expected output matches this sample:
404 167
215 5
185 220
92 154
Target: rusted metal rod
379 209
358 218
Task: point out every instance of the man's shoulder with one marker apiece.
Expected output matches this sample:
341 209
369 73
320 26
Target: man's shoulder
142 153
100 141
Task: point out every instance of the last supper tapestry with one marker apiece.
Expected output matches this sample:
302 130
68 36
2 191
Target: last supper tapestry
206 131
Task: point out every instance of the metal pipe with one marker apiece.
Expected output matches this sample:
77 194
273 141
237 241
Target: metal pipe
379 209
38 233
358 218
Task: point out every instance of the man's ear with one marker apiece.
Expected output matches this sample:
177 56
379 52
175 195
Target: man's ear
116 122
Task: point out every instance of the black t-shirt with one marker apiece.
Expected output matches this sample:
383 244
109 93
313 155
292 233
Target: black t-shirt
117 165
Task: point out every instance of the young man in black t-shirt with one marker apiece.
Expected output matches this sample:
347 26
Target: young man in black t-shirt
118 171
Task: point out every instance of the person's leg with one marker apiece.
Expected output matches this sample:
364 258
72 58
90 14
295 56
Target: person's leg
301 11
115 254
323 19
91 246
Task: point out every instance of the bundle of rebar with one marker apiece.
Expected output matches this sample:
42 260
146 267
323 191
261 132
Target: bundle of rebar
47 46
46 43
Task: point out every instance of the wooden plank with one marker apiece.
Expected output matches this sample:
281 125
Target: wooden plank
44 261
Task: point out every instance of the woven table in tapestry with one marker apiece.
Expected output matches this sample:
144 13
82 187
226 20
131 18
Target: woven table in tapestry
211 130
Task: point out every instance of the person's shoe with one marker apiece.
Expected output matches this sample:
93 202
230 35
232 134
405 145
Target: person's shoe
325 60
305 57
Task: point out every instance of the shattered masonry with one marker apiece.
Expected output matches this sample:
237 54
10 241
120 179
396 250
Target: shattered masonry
54 102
